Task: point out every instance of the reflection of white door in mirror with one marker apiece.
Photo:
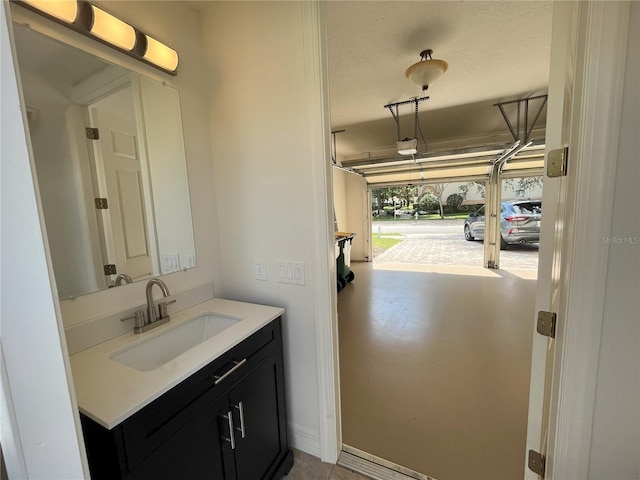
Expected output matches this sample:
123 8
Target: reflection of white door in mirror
119 179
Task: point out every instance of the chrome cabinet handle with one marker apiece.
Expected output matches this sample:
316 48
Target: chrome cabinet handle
240 409
232 438
230 371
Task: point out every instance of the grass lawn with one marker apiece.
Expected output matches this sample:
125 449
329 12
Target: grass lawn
385 243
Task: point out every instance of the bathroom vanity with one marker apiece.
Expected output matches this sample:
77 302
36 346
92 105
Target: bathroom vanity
216 410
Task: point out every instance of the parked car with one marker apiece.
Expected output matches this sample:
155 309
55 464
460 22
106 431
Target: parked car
519 223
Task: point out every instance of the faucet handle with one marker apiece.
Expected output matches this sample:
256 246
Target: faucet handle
137 317
162 307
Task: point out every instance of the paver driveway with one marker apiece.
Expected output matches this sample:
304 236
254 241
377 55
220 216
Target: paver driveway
441 242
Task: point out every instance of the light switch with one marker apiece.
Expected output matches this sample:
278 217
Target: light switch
291 272
170 262
260 268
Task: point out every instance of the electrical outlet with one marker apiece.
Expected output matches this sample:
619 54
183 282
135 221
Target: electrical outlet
260 269
189 261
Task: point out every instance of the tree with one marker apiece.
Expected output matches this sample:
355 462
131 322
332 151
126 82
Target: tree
525 184
382 195
479 186
406 194
427 202
454 201
438 189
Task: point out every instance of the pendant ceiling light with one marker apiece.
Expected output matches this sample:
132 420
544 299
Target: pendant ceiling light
427 70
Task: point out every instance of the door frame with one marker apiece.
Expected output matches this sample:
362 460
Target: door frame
600 61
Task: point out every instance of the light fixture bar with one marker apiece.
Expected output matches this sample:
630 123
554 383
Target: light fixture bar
92 21
64 10
112 30
161 55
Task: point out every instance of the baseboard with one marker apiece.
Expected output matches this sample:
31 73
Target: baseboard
304 439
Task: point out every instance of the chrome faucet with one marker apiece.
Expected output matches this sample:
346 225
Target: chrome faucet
151 309
140 323
122 279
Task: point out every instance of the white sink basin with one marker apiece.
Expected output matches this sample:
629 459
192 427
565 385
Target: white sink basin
156 351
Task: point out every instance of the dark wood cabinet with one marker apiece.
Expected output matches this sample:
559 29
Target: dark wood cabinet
227 421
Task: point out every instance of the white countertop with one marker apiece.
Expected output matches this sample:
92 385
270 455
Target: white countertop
110 392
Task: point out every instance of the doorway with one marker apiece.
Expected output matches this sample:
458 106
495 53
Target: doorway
435 357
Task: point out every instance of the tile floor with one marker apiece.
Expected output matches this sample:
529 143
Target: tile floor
435 366
307 467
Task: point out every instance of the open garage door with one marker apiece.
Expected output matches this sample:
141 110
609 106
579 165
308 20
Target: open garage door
488 165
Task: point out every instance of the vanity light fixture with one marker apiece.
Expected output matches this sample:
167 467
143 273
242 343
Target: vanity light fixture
112 30
160 55
92 21
63 10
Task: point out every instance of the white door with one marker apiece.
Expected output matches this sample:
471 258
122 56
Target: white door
582 91
119 174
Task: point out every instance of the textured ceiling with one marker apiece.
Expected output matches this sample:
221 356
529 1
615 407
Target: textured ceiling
497 51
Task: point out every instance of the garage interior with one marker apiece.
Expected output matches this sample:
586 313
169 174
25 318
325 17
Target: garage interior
435 362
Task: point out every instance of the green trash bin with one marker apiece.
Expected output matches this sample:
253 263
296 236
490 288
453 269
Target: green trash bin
343 258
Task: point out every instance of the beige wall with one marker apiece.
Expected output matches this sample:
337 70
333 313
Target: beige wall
340 198
262 111
358 216
350 201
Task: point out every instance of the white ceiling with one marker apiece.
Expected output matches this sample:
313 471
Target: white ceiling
497 51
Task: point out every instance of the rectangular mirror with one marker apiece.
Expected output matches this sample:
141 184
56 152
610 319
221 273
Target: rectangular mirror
110 162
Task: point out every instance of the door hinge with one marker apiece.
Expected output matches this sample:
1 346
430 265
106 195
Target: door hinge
557 162
110 269
102 204
92 133
536 462
546 324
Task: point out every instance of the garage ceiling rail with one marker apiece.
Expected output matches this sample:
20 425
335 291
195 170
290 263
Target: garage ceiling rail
523 158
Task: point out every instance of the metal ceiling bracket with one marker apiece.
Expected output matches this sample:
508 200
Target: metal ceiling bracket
334 153
557 162
523 128
396 115
546 324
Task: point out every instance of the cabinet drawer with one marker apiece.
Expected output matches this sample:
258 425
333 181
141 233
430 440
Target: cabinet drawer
151 427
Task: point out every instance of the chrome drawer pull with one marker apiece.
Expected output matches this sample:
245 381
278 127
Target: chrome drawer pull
231 370
241 411
232 437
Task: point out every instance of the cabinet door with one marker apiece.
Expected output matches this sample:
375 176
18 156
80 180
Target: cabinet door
258 405
193 453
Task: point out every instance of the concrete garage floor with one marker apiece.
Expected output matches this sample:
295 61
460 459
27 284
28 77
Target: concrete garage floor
435 367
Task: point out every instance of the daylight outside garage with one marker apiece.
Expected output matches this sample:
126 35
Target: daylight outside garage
443 224
429 207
